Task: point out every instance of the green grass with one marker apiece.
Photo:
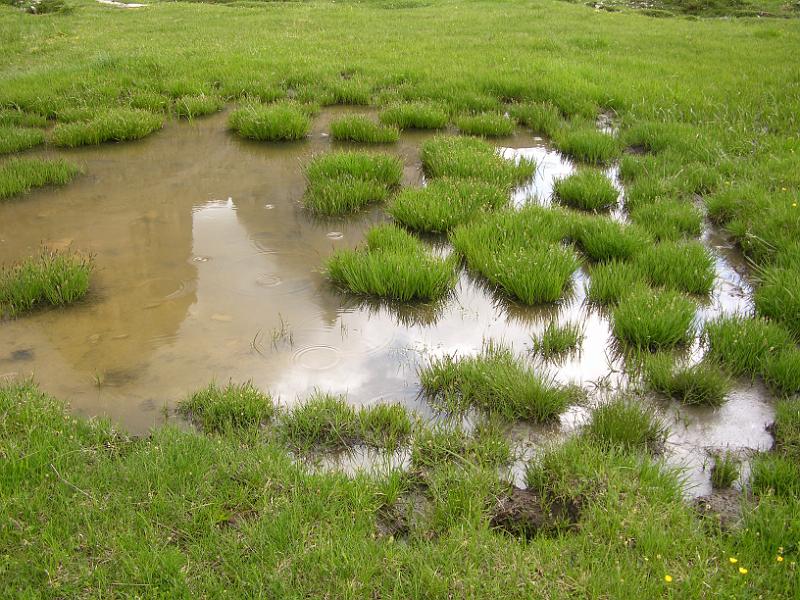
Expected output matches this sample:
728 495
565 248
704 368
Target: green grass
701 383
777 296
20 175
586 144
782 371
235 406
16 139
725 470
445 203
392 265
343 195
384 425
602 239
541 117
464 157
588 189
270 123
495 381
610 281
626 424
193 106
744 345
47 279
682 266
653 320
786 428
362 129
415 115
485 125
17 118
558 340
486 446
669 220
114 125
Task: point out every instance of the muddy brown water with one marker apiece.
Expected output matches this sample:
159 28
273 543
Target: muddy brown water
208 268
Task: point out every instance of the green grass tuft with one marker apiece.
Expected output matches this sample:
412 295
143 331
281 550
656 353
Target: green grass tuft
626 424
725 470
20 175
602 239
114 125
392 265
654 320
193 106
445 203
464 157
669 220
270 123
586 144
682 266
485 125
16 139
744 345
18 118
558 340
610 281
588 189
782 371
384 425
415 115
344 195
48 279
358 128
701 383
497 382
541 117
322 422
220 410
487 446
777 296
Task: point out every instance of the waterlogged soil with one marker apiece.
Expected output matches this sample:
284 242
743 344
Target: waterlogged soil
208 268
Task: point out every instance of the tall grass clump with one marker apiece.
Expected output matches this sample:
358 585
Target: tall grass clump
450 156
21 175
344 182
358 128
199 105
603 239
445 203
586 144
16 139
626 424
392 265
519 252
610 281
725 470
702 383
415 115
485 446
652 320
781 371
485 125
744 345
495 381
384 425
558 340
541 117
270 123
323 421
19 118
777 296
113 125
588 189
222 409
669 220
48 279
683 266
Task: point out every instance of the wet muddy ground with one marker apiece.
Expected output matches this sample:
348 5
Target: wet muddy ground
207 267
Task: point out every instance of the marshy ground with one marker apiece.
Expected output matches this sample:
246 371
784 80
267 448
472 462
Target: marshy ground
342 327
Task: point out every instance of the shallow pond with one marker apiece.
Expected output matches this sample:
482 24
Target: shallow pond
207 267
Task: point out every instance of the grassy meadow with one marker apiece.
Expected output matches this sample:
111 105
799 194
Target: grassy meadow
233 496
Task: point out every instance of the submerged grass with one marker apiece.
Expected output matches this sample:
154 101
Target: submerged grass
48 279
485 125
16 139
653 320
271 122
701 383
361 129
223 409
114 125
445 203
415 115
558 340
588 189
392 265
21 175
626 424
497 382
449 156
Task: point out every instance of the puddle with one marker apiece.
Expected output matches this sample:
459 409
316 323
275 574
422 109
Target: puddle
207 267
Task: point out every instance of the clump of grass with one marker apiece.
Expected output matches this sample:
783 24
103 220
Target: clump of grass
384 425
701 383
497 382
775 474
744 345
343 182
235 406
21 175
786 428
652 320
445 203
669 220
449 156
436 446
782 371
725 470
270 123
683 266
626 424
603 239
49 279
610 281
393 265
16 139
200 105
19 118
588 189
558 340
778 296
586 144
518 251
358 128
114 125
415 115
149 100
485 125
323 422
541 117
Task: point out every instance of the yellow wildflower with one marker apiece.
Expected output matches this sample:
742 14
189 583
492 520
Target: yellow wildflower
779 558
742 570
668 578
733 560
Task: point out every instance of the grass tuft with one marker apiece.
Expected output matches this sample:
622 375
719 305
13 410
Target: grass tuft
487 446
464 157
682 266
653 320
16 139
485 125
114 125
415 115
21 175
781 371
220 410
270 123
778 296
200 105
49 279
541 117
610 281
558 340
669 220
18 118
744 345
588 189
701 383
358 128
725 470
384 425
322 422
626 424
603 239
586 144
